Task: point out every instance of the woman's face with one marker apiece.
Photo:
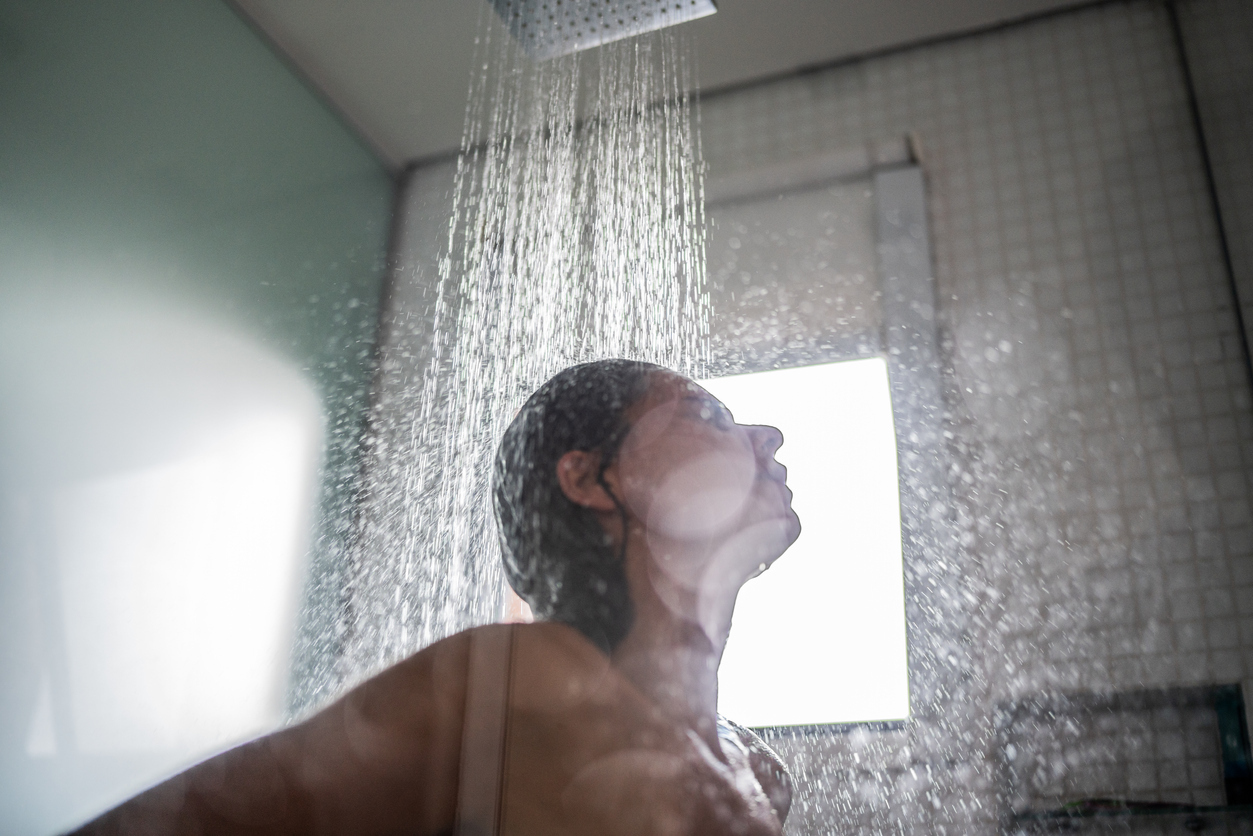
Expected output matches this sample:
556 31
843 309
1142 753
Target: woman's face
707 490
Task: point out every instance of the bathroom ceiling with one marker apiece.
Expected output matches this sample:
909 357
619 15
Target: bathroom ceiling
399 70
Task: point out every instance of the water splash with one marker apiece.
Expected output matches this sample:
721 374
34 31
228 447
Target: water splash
577 234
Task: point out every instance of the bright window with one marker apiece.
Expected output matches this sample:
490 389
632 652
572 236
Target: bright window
820 637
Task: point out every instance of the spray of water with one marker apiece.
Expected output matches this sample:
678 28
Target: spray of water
577 234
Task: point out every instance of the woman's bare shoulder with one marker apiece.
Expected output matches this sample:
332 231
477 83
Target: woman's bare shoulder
538 657
556 669
431 680
550 671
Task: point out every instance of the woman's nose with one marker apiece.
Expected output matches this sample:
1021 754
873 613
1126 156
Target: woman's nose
766 438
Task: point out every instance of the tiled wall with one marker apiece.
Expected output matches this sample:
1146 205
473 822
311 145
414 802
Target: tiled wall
1099 405
1218 36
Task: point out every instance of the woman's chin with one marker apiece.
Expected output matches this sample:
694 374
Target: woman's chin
727 560
754 548
794 526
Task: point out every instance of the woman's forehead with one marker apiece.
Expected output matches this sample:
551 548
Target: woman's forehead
668 386
674 407
665 400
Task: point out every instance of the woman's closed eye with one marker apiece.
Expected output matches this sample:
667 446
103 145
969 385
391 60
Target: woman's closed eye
715 413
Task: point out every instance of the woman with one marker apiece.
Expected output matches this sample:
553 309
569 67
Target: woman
631 509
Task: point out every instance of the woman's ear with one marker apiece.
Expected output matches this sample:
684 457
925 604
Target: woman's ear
576 473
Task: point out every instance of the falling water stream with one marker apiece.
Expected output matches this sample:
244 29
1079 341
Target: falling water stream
577 233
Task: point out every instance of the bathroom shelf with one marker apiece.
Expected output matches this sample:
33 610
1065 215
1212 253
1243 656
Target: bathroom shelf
1038 733
1189 818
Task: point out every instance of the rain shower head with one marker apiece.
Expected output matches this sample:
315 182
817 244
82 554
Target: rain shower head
548 28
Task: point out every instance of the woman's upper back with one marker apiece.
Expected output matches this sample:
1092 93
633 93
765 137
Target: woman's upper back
511 729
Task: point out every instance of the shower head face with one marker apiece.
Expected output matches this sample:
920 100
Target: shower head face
548 28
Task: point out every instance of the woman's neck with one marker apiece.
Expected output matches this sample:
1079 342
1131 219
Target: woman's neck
671 657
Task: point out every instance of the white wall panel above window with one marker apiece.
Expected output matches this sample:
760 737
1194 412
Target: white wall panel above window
792 277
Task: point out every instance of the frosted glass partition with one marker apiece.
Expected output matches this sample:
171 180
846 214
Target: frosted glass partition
159 477
191 251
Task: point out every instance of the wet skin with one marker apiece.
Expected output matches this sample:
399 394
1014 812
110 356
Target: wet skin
594 744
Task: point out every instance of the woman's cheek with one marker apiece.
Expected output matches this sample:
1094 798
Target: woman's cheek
701 498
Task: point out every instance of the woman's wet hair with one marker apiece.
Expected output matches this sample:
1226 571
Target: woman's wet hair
557 556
